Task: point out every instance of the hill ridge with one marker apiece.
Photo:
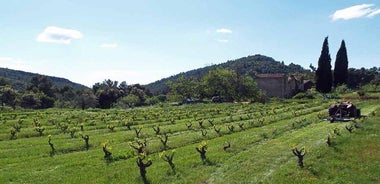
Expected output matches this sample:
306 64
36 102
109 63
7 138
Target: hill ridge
248 65
18 79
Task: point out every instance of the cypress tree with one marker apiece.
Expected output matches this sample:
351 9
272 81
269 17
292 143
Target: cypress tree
341 66
323 74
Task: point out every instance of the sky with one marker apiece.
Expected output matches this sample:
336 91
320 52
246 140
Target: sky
88 41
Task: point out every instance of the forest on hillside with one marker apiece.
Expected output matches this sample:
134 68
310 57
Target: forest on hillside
236 83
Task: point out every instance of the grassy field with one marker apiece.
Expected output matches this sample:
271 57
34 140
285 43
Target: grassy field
259 138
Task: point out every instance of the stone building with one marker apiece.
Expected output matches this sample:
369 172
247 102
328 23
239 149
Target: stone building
280 85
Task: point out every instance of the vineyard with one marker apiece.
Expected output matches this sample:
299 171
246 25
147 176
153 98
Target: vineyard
199 143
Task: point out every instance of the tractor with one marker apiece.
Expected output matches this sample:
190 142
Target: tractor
343 111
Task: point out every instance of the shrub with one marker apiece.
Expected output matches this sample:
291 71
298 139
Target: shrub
202 149
300 154
140 163
52 149
106 147
303 96
342 89
138 145
164 140
168 158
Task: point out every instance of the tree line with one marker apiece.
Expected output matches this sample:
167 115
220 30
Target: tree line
41 93
230 81
326 79
225 84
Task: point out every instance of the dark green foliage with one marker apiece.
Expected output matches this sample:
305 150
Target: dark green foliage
107 93
229 85
41 84
323 74
18 79
220 82
341 66
245 66
185 87
362 76
30 101
8 96
85 99
110 94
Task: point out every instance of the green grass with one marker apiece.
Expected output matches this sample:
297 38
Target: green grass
259 153
354 158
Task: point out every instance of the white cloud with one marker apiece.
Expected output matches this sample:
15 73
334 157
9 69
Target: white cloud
108 45
5 59
224 31
357 11
58 35
222 40
14 63
373 13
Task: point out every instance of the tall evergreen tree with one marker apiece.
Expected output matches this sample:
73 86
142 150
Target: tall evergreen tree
341 66
323 74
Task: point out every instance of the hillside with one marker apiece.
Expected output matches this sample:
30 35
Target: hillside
249 65
19 79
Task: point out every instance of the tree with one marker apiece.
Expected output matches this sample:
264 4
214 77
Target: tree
246 89
128 101
141 92
184 87
220 82
107 93
46 101
30 101
42 84
230 85
4 82
341 66
8 96
323 74
360 77
86 99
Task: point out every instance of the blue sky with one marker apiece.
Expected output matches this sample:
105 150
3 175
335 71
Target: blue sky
88 41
